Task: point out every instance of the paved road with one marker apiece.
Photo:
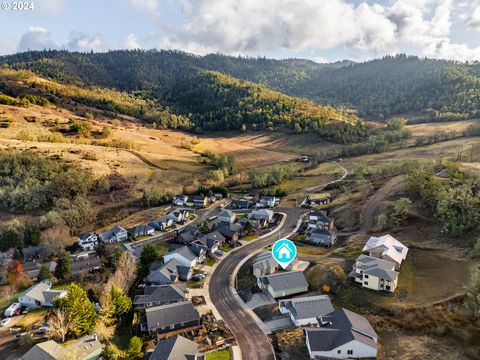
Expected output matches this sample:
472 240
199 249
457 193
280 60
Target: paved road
254 344
201 216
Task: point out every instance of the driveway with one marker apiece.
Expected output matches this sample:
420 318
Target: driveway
260 299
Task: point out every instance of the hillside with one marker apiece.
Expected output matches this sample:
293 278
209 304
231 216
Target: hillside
431 90
168 89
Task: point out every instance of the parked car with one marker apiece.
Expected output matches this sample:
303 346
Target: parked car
4 322
43 329
219 253
25 311
13 309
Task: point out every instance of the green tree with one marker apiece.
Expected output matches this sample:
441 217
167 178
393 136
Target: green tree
122 304
472 302
32 234
63 271
78 309
400 211
148 255
381 221
44 274
112 352
134 350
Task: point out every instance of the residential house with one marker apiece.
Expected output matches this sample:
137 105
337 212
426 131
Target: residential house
177 216
160 295
376 274
31 269
387 248
168 273
305 311
262 214
40 295
323 237
264 264
141 230
161 223
267 201
84 265
187 235
342 334
115 234
171 317
283 283
231 231
180 200
319 220
184 256
200 248
199 201
174 348
39 252
226 216
88 241
241 204
85 348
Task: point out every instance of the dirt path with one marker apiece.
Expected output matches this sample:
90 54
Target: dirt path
371 205
345 173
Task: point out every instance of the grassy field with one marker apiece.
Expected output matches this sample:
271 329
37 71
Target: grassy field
34 317
218 355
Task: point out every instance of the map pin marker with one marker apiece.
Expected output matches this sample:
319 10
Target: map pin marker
284 252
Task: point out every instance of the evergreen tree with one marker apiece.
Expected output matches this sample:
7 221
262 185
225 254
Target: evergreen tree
63 271
78 309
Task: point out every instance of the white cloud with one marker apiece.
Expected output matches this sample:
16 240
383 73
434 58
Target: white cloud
149 5
250 26
82 42
473 20
36 38
130 42
50 7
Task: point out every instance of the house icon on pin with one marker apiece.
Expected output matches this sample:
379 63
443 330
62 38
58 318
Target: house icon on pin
284 252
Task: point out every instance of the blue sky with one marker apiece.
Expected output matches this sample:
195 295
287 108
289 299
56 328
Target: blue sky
321 30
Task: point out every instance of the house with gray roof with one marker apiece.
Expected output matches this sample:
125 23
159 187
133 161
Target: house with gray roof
84 265
284 283
185 256
226 216
264 264
39 252
85 348
160 295
342 334
141 230
374 273
161 223
88 240
174 348
388 248
115 234
231 231
31 269
306 310
168 273
40 295
325 237
171 317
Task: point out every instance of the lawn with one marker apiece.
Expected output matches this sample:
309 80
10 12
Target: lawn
34 317
219 355
249 237
162 248
226 247
195 284
210 261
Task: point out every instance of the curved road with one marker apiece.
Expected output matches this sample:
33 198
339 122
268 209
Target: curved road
254 344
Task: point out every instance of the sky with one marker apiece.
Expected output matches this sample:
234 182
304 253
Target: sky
320 30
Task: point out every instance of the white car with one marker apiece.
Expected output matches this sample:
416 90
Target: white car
4 322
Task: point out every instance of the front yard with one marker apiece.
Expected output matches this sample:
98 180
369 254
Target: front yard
218 355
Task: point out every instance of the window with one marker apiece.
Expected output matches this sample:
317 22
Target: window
366 276
350 352
365 282
339 351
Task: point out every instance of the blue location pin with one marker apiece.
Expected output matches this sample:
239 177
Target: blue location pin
284 252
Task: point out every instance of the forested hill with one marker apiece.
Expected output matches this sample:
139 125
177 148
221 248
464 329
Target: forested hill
429 89
170 90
